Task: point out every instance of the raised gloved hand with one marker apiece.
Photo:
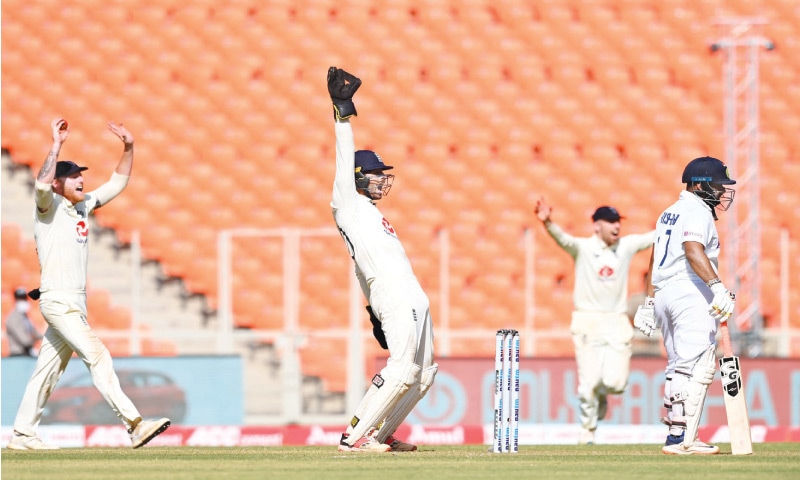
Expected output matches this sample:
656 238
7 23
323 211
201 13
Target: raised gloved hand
722 304
376 329
645 319
341 87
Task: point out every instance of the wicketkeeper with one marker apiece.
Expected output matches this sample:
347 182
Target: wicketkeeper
398 306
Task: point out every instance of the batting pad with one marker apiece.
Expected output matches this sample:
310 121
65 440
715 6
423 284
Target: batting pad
692 393
407 403
384 393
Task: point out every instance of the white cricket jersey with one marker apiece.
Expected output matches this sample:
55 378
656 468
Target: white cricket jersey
687 220
62 240
601 271
370 238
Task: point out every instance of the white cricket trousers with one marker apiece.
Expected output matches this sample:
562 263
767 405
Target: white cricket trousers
404 311
68 332
687 327
603 356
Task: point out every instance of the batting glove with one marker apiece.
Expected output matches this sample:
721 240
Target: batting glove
341 87
645 319
722 304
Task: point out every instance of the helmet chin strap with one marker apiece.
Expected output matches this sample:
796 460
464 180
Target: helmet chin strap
709 197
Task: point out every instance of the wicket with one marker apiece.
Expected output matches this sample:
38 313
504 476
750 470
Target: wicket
506 392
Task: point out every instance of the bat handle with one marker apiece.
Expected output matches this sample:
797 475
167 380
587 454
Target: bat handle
726 340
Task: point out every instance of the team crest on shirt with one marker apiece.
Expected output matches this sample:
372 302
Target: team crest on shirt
83 232
605 273
388 228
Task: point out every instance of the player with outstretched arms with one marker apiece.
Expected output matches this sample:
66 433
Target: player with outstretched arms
61 230
600 327
686 298
398 306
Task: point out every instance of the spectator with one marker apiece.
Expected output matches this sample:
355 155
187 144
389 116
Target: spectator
22 334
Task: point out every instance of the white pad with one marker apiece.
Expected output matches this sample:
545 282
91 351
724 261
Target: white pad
386 390
692 394
407 403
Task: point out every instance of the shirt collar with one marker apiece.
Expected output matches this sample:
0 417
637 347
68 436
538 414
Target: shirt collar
692 197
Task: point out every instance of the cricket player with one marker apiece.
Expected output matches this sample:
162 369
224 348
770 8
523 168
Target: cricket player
61 230
601 329
687 298
387 280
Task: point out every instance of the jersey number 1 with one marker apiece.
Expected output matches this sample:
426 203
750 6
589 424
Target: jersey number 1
666 247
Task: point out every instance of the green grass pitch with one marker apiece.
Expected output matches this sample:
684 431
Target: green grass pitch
771 461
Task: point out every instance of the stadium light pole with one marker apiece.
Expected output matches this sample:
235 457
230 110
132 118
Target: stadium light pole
740 43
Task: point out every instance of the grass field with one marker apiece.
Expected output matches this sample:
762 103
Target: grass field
771 461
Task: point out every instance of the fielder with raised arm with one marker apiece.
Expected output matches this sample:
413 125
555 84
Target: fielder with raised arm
600 327
61 229
395 296
686 293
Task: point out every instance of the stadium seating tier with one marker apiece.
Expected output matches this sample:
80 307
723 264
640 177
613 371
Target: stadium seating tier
583 102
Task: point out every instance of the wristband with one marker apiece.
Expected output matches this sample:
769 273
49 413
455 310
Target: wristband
713 282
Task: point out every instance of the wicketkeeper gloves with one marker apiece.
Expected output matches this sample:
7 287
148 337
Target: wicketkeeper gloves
645 319
341 87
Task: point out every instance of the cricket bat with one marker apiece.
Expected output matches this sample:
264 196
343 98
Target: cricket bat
733 393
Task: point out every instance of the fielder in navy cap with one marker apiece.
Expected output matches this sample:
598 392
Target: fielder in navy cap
66 168
609 214
600 327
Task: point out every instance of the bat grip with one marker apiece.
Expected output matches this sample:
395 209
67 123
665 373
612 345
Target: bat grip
725 337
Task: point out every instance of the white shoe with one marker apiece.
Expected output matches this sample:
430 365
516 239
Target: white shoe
24 442
586 437
364 444
696 448
147 430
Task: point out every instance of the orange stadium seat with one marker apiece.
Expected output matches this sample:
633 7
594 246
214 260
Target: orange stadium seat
602 88
315 358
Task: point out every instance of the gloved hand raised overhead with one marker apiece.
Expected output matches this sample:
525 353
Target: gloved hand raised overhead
341 87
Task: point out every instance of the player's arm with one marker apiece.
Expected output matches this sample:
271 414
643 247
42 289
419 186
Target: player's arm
723 302
119 178
47 173
566 241
645 318
641 241
696 256
341 87
650 289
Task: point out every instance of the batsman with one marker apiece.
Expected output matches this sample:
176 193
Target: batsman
686 292
398 307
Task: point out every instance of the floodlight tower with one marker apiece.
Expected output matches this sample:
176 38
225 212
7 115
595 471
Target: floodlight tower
741 43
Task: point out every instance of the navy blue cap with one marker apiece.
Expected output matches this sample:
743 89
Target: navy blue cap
609 214
67 168
707 169
369 160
